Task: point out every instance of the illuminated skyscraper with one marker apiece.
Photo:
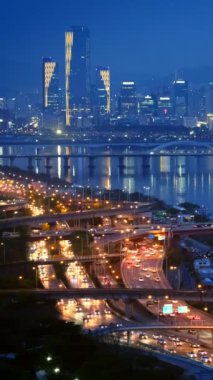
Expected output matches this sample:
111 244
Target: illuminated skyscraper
103 90
77 72
50 85
127 101
180 98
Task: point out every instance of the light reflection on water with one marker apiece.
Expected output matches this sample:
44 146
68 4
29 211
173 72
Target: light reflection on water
173 179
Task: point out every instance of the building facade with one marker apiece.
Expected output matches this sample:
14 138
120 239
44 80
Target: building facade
180 98
77 73
103 91
127 104
50 85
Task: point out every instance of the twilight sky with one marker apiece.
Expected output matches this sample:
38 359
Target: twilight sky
136 38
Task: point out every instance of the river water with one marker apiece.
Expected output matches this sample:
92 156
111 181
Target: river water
172 179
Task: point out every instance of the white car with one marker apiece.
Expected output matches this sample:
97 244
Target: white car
148 275
191 355
206 359
141 279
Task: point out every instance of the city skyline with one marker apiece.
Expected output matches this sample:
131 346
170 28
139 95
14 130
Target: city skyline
128 44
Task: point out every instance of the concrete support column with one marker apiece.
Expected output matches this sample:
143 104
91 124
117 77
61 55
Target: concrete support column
30 166
91 165
48 166
121 164
145 163
11 160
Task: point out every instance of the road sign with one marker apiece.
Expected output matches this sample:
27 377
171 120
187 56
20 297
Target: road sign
183 309
151 236
167 309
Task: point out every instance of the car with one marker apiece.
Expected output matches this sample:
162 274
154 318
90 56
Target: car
202 352
162 341
172 338
178 343
191 355
172 351
108 312
148 275
78 309
195 345
103 326
157 279
157 336
162 314
172 315
137 265
143 336
196 317
191 331
141 279
206 359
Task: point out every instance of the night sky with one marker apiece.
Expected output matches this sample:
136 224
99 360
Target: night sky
136 38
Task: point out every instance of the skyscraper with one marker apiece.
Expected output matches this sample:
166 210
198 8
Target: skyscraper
164 106
77 72
127 101
180 98
50 85
209 98
103 90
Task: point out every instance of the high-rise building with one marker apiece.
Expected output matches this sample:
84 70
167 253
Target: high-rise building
180 98
164 106
77 72
147 105
103 98
50 85
209 99
127 104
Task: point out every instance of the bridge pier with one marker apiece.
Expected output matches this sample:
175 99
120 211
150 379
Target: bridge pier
30 166
91 165
145 163
11 160
129 308
66 164
121 164
48 165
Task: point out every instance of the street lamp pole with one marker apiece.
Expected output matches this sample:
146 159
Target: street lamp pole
4 252
36 276
79 237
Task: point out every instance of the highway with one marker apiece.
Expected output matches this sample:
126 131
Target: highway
114 293
81 215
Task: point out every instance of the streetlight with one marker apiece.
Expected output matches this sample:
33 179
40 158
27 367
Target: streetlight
4 251
36 276
178 273
147 188
82 242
